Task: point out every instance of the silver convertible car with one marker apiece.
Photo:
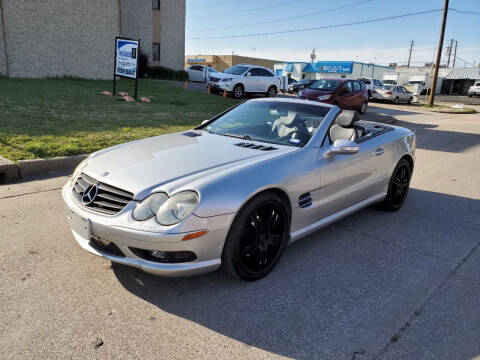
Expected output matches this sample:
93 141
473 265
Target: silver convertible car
234 191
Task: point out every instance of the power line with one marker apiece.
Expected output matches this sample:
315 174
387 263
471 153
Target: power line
248 10
285 18
317 27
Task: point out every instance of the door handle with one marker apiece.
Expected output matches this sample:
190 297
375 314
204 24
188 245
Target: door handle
380 151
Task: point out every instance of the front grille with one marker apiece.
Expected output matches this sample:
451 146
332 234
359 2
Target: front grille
214 79
109 200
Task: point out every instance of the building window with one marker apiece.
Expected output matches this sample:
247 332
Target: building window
156 51
156 4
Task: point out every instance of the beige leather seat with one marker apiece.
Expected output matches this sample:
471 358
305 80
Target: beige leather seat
343 128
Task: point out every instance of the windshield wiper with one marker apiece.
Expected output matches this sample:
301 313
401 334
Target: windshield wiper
244 137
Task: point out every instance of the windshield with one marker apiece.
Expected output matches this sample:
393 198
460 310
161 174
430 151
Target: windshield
393 82
325 84
236 70
305 81
415 82
273 122
211 69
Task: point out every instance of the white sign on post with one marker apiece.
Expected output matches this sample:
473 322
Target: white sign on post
126 58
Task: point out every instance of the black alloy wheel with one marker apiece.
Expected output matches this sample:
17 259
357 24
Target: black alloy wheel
257 238
398 186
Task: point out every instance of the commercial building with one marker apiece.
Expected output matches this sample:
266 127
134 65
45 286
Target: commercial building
458 81
76 38
222 62
341 69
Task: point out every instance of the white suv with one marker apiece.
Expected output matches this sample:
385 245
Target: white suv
245 79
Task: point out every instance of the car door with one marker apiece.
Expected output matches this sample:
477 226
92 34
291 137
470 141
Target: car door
406 94
196 73
348 179
254 80
345 98
266 79
357 95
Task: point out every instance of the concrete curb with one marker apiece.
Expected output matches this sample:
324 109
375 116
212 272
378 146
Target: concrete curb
10 172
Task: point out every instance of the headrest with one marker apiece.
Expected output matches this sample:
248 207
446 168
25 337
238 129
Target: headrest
347 118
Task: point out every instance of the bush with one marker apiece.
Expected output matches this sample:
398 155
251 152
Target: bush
142 64
163 73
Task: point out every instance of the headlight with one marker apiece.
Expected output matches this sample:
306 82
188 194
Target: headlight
177 208
148 208
323 97
79 169
227 79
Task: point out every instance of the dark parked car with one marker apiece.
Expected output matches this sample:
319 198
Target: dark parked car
299 85
346 93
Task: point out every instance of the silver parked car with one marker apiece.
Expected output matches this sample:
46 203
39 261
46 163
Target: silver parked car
393 93
234 191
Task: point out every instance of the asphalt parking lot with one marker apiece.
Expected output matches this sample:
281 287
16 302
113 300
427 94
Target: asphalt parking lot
375 285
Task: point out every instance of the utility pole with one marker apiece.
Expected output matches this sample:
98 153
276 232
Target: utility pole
455 53
410 54
439 54
313 56
449 52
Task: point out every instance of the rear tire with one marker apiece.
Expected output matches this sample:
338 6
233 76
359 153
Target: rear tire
271 92
363 108
257 238
398 187
396 100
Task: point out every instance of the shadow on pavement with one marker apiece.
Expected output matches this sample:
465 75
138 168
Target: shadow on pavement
429 138
339 291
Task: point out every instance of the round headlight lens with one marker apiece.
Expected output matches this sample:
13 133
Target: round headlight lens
148 208
177 208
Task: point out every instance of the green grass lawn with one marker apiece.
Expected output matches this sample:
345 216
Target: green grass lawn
55 117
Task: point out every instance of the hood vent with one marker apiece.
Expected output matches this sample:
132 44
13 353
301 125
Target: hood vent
191 134
305 200
256 147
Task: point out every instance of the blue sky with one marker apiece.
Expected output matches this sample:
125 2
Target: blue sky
382 42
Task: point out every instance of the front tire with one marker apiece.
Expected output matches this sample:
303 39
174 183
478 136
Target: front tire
410 100
238 92
257 238
398 186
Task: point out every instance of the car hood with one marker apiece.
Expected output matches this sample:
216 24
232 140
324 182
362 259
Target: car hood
146 164
313 93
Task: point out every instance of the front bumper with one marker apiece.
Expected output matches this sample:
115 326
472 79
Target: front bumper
126 233
220 86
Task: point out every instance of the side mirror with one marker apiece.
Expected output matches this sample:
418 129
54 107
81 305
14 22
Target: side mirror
248 74
344 147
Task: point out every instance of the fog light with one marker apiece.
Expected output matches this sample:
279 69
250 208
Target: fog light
159 254
165 256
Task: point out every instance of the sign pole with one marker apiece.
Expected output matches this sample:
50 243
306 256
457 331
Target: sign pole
136 72
114 65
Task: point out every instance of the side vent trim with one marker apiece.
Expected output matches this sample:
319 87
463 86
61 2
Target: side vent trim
305 200
191 134
256 147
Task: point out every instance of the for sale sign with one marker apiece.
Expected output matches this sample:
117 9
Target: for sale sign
126 56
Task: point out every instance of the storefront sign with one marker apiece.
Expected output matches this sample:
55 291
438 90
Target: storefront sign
196 60
335 67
